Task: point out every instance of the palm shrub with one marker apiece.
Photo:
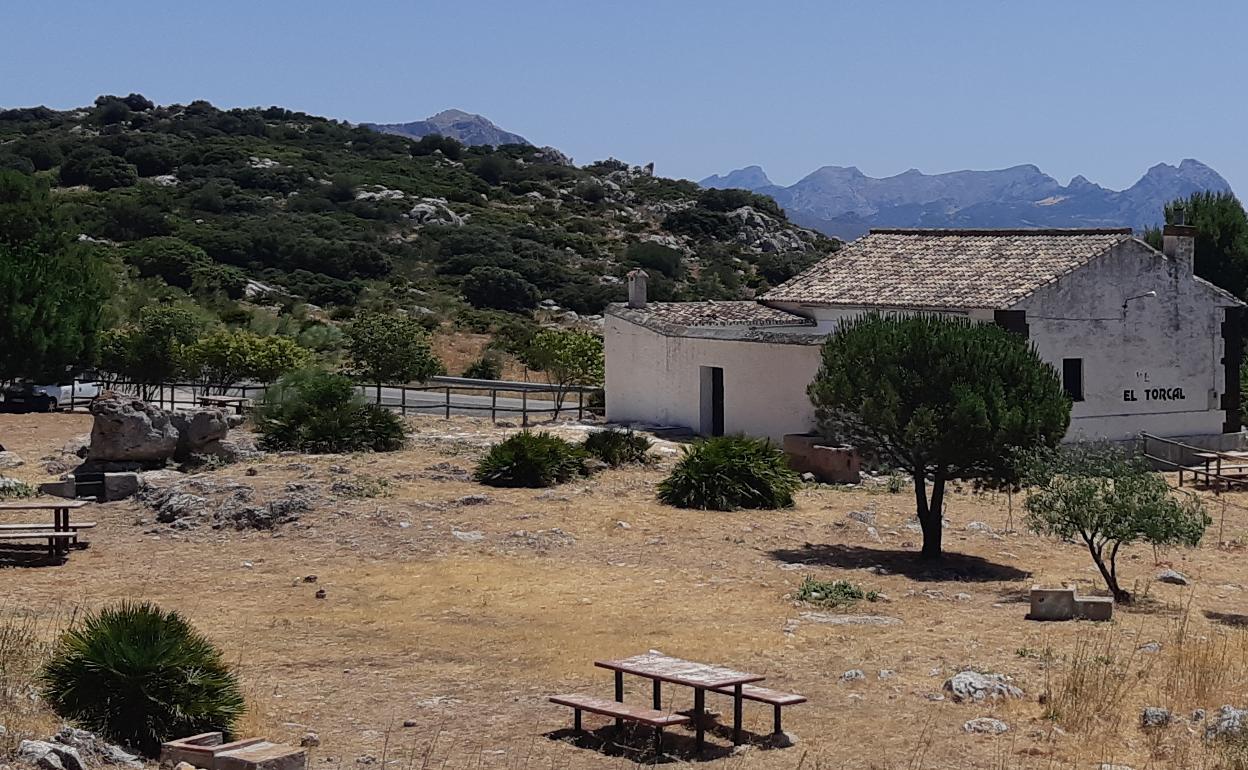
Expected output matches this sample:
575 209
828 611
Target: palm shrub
618 447
140 676
731 472
312 410
531 460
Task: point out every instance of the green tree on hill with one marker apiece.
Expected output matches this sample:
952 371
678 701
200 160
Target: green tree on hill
1221 237
52 288
940 398
386 348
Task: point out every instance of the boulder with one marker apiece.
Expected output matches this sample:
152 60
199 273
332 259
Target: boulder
974 686
10 460
51 756
1173 577
129 430
119 486
200 431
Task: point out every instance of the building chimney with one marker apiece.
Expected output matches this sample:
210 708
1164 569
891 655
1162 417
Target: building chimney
637 288
1178 242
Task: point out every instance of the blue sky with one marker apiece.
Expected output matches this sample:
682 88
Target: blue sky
1103 88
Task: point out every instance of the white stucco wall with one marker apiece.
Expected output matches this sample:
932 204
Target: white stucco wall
655 379
1154 346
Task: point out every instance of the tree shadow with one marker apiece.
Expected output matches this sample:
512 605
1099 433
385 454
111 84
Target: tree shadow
950 567
1232 619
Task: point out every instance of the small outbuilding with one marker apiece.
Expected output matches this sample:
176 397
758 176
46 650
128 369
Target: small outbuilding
1140 341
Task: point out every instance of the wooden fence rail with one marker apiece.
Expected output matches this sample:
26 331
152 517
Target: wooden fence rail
459 395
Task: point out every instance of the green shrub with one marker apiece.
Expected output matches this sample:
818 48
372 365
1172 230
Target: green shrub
488 367
531 460
833 593
140 676
618 447
10 487
731 472
312 410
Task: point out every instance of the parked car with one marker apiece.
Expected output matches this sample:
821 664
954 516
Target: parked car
32 397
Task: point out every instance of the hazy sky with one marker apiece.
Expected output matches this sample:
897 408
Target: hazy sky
1103 88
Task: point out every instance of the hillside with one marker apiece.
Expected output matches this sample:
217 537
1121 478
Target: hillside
251 213
844 202
464 127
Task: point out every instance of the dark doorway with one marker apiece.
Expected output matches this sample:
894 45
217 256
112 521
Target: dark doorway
712 407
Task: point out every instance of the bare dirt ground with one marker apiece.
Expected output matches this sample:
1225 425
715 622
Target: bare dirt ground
459 616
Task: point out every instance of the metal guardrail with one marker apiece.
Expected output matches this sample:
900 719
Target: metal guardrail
174 395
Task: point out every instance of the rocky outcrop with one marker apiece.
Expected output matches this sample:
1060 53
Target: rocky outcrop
127 430
975 687
434 211
131 435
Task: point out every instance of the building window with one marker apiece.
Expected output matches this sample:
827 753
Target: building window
1072 378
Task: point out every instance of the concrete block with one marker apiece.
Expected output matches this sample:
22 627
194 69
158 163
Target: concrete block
1066 604
119 486
830 464
208 751
66 489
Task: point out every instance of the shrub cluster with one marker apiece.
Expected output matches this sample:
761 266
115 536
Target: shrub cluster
618 447
731 472
531 460
141 676
543 459
312 410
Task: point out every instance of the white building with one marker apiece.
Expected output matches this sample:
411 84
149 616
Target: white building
1141 343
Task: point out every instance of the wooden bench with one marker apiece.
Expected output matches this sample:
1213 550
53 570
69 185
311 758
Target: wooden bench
775 698
55 539
73 530
622 712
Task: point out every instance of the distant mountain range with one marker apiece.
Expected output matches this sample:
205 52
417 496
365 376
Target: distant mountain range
465 126
844 202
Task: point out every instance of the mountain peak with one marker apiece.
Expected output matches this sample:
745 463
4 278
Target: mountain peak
467 127
748 178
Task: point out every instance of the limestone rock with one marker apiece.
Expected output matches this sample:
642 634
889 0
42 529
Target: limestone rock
974 686
853 675
985 726
832 619
10 460
200 431
1173 577
1155 716
1228 721
129 430
434 211
310 740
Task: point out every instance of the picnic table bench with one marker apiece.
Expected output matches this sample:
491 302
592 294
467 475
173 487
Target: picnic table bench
701 677
60 536
238 403
1213 469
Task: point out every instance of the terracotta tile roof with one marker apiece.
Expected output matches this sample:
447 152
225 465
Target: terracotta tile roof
945 268
713 313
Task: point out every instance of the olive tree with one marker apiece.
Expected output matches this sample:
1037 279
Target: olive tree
568 358
1106 498
383 347
940 398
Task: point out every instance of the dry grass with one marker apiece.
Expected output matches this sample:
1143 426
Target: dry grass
467 638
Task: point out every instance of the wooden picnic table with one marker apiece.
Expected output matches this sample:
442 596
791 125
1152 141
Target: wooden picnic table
59 545
237 402
1210 459
700 676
